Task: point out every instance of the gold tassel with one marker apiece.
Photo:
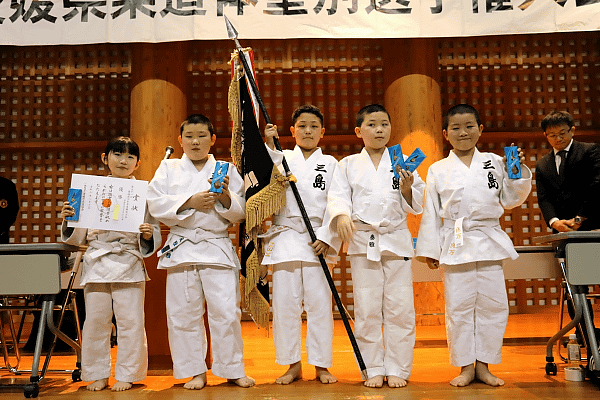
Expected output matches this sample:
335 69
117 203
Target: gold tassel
235 111
267 201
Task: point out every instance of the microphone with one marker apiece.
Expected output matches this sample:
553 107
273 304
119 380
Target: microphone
168 151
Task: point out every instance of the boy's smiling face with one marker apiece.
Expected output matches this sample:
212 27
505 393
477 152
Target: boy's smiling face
463 132
375 130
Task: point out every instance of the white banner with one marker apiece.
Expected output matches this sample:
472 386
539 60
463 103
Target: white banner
37 22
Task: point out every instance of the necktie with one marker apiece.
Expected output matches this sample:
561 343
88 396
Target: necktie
563 162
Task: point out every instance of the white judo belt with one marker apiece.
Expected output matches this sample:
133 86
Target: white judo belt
459 227
102 248
281 224
385 226
179 236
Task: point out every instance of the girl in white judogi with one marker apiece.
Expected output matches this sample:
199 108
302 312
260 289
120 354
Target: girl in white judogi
298 279
200 260
466 195
114 278
369 211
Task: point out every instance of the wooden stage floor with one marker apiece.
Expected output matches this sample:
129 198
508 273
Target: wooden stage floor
522 369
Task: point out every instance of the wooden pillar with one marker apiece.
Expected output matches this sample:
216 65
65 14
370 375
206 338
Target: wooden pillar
158 106
412 98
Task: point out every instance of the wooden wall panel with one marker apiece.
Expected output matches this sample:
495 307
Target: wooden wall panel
60 104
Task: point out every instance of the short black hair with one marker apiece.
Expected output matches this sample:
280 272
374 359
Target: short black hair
122 144
308 109
461 109
370 109
557 118
197 119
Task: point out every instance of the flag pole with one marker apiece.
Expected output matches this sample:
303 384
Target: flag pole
232 34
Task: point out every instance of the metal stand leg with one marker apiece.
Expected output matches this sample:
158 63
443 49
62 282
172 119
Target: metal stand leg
551 368
593 366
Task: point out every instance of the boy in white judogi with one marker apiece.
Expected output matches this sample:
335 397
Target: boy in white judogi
365 198
114 279
466 195
298 278
200 260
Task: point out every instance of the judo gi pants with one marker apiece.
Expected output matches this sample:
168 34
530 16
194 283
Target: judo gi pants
476 311
127 302
296 284
187 290
384 314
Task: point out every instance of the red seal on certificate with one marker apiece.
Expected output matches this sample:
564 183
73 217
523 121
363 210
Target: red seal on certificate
106 203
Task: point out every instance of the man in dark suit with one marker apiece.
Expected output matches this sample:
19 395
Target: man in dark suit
568 178
9 207
568 182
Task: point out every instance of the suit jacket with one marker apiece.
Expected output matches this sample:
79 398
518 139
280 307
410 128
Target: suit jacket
577 193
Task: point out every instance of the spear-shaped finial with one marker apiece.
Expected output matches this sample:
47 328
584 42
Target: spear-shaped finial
231 32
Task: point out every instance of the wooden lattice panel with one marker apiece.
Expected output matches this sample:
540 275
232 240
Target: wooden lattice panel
339 77
64 93
42 177
514 81
60 104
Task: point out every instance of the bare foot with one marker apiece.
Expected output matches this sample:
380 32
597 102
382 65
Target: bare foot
293 373
97 385
324 375
467 374
396 382
374 382
121 386
244 381
196 383
483 373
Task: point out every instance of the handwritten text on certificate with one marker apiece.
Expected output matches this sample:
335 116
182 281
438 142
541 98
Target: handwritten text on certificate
108 203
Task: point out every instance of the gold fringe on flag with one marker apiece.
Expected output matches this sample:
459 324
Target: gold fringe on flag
235 112
267 201
256 305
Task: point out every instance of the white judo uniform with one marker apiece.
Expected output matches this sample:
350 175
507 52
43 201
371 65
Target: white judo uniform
114 280
201 265
298 278
461 228
379 252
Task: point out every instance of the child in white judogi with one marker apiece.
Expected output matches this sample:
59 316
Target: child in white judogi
114 279
298 279
364 197
460 231
200 260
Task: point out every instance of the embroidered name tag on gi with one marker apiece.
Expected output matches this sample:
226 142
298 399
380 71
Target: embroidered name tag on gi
170 247
373 253
458 236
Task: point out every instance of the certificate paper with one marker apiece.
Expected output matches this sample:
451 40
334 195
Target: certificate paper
109 203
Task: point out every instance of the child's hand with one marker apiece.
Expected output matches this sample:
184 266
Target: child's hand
521 159
66 210
320 247
406 181
432 263
345 227
225 196
202 201
146 230
270 133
